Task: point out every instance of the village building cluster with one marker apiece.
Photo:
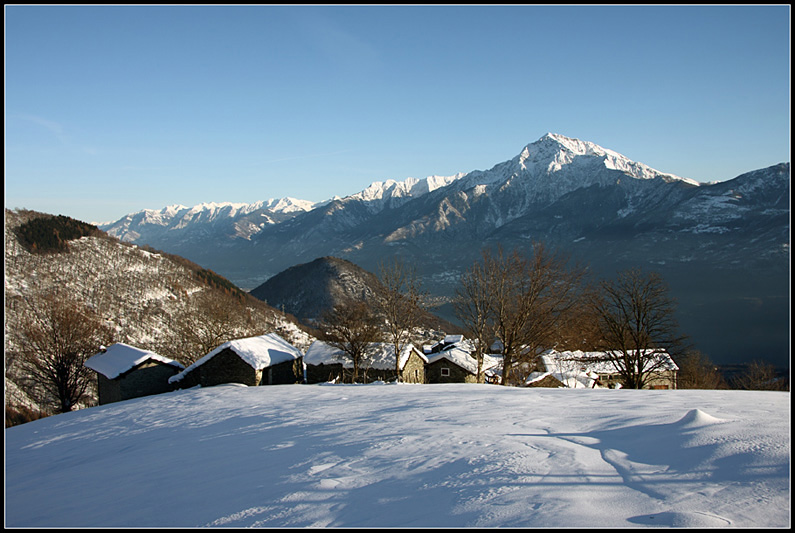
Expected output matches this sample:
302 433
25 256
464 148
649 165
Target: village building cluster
126 372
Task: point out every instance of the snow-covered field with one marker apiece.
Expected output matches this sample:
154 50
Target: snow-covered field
407 456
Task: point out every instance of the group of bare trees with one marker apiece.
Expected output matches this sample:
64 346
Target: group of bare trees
210 318
401 304
531 302
520 304
351 327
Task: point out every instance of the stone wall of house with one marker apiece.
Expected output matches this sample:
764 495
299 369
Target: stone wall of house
227 367
190 379
151 377
369 375
286 373
414 370
108 390
435 373
324 373
663 380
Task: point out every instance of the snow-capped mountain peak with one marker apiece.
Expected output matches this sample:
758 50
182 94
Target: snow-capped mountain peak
553 152
288 205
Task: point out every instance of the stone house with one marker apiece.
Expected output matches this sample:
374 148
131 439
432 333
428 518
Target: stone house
412 365
325 363
125 372
456 364
578 369
263 360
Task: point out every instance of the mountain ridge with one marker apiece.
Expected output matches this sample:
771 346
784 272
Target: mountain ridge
599 207
555 150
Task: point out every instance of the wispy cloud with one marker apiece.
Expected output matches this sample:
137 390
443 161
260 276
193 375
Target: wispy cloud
57 130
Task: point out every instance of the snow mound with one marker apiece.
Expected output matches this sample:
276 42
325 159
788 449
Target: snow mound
682 519
698 418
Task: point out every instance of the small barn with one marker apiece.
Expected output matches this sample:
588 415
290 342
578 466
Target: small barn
125 372
456 364
263 360
580 369
325 363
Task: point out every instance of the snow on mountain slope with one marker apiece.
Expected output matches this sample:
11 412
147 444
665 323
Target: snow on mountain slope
556 165
232 220
559 151
409 188
150 300
543 171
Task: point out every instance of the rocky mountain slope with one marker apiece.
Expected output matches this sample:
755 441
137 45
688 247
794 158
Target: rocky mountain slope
308 290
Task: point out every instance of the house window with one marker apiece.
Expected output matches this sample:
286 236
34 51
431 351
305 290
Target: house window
445 372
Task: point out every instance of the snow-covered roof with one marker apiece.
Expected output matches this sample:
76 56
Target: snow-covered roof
569 379
120 358
460 356
259 352
581 366
381 355
447 342
453 339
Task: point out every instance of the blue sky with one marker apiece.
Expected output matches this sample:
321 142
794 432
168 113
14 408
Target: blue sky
110 110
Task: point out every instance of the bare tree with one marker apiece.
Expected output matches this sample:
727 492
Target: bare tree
56 336
401 303
473 309
696 371
759 375
578 327
211 319
637 325
529 297
351 327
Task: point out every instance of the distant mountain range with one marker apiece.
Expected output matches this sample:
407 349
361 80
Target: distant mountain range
723 247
